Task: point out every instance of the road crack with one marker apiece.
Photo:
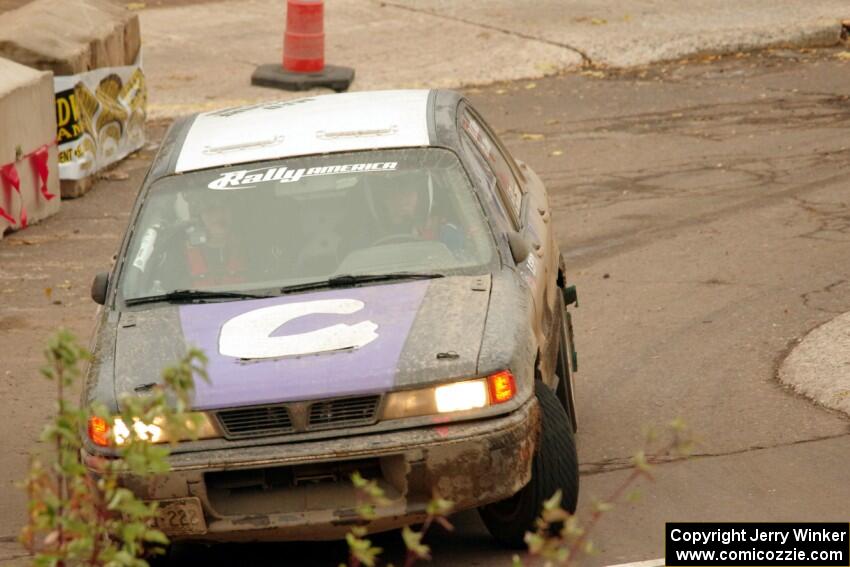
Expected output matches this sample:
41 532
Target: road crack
582 256
586 60
833 220
808 297
621 463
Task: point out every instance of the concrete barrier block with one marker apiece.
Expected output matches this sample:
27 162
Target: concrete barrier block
28 116
73 188
132 39
70 37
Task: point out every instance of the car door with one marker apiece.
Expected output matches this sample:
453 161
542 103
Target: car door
521 210
537 220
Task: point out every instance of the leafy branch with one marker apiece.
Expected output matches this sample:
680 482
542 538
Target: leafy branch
78 512
369 497
560 538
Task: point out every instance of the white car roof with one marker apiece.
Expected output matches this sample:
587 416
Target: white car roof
315 125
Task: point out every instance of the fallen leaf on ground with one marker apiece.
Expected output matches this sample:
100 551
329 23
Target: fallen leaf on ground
183 77
533 137
531 86
596 74
552 122
844 55
546 68
501 91
135 5
556 153
598 21
116 176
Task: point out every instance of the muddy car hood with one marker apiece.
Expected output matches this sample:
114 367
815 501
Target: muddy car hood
313 345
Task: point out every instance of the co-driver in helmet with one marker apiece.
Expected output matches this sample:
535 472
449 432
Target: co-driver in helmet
405 208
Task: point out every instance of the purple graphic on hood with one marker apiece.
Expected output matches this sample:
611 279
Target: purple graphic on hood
365 370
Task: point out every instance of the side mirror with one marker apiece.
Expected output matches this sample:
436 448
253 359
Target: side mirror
98 288
519 247
570 295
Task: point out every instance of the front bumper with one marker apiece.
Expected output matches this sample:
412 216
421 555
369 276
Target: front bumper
301 491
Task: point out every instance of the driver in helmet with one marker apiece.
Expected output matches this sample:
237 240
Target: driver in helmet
213 252
404 207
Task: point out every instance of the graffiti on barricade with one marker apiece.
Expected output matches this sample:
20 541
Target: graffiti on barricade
100 118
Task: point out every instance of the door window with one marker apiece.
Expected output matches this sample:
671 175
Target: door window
510 189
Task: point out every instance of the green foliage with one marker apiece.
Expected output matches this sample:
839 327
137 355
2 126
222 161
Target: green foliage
371 496
361 550
78 516
413 543
560 539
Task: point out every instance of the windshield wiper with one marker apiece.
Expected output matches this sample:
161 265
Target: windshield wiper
189 295
349 280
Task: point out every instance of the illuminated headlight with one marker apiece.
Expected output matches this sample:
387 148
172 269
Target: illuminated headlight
454 397
144 431
461 396
102 433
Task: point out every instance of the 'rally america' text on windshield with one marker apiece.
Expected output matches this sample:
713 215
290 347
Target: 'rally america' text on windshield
246 178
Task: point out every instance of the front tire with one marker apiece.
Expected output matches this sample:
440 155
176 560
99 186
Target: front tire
555 466
565 390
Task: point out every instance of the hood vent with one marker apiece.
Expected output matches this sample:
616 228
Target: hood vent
343 134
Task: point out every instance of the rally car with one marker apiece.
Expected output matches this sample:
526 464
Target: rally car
377 286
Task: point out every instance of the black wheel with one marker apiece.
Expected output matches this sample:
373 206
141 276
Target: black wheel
555 466
565 391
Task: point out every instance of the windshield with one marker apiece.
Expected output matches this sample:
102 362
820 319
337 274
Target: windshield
286 222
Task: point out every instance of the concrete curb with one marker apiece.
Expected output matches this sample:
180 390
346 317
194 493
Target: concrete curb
615 39
727 42
819 366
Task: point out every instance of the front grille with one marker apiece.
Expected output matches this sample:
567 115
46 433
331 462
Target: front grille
298 417
256 421
343 412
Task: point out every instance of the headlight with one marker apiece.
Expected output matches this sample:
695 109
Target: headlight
461 396
198 425
144 431
453 397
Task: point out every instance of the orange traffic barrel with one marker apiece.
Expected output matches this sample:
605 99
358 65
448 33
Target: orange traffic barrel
303 54
304 38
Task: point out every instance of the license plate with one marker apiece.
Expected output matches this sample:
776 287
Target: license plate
181 516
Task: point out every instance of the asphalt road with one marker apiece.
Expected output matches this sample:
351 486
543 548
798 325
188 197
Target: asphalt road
704 211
